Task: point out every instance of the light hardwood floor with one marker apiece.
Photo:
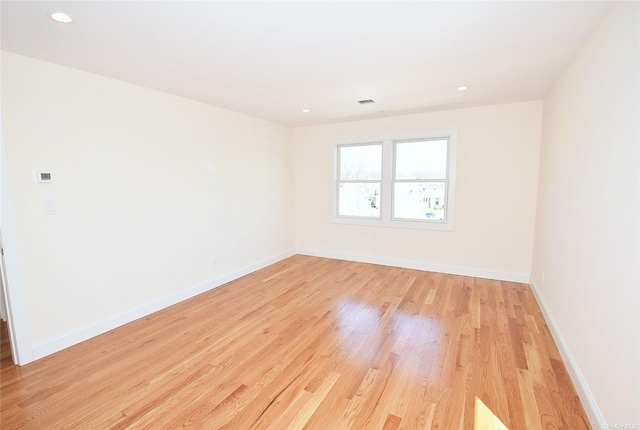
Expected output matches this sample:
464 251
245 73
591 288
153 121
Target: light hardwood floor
311 343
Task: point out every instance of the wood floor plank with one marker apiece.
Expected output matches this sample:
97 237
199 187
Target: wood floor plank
310 343
528 399
312 404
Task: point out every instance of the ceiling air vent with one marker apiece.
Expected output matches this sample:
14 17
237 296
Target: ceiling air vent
365 102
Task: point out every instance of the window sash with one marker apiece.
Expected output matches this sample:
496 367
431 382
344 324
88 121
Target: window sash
364 217
420 179
444 180
351 145
444 204
340 181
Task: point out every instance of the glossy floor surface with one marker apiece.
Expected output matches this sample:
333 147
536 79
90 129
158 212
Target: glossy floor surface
311 343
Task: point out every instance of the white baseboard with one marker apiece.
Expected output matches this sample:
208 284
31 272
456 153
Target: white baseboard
586 396
419 265
58 343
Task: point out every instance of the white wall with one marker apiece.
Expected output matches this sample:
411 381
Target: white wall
17 323
588 217
497 174
139 217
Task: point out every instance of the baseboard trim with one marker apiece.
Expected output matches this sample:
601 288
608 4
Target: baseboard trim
419 265
586 396
58 343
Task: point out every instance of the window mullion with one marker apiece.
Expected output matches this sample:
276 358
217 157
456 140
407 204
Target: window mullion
387 179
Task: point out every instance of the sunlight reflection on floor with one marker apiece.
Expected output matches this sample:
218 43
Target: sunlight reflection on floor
409 333
484 419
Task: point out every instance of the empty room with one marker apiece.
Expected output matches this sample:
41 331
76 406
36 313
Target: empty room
320 215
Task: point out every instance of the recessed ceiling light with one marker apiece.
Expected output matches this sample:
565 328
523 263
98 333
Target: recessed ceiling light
306 110
61 17
461 88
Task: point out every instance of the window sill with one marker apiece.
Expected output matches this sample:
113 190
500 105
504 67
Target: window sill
419 225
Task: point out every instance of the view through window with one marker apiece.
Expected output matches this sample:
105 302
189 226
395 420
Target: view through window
360 180
420 180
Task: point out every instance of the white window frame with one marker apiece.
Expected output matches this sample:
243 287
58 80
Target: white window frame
388 179
339 181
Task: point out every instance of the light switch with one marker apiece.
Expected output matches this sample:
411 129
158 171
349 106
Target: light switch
50 207
210 167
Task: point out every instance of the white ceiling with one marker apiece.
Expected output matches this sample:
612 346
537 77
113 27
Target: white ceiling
273 59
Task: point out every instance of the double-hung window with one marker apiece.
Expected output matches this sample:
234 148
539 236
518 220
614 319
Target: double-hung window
396 181
420 180
359 180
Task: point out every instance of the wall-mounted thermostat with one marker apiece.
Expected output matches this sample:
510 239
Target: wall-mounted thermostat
44 176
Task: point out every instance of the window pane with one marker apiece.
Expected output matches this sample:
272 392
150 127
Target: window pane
361 162
361 200
421 160
419 200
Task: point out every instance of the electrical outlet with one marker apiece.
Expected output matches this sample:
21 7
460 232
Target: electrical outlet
215 262
50 207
